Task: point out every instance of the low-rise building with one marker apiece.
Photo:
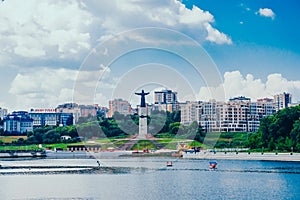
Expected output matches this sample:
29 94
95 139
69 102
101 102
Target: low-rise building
50 117
78 110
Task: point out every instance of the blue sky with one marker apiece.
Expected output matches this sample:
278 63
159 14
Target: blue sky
262 45
254 46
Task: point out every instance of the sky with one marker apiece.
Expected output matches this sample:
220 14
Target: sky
92 51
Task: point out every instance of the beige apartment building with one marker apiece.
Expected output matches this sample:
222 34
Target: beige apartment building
237 115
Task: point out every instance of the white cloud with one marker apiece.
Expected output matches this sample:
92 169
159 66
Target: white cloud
43 87
46 87
266 12
216 36
44 29
56 33
164 14
235 84
66 29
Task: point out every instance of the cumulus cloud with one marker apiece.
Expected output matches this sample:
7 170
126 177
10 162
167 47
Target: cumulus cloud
61 33
266 12
235 84
66 29
47 87
44 87
44 29
165 14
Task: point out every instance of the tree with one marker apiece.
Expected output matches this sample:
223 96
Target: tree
280 130
295 134
174 127
51 137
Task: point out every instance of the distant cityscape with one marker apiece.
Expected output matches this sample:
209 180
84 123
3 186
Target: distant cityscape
238 114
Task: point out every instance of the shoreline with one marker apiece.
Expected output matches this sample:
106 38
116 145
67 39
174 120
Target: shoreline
295 157
204 155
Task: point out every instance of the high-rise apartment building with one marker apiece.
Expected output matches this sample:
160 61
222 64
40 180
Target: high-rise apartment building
166 100
282 101
189 112
239 114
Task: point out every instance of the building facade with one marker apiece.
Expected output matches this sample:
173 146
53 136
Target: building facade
18 123
282 101
239 114
78 110
3 113
166 100
50 117
189 112
119 105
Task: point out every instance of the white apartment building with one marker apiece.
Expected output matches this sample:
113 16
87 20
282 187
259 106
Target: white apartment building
3 113
210 115
282 101
189 112
237 115
166 100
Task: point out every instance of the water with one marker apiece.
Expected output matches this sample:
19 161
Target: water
149 178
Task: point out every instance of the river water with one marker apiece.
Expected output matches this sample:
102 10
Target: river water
148 178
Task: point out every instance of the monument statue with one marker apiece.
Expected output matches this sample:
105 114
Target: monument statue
143 129
142 94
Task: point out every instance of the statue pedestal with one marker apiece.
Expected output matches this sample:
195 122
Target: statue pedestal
142 123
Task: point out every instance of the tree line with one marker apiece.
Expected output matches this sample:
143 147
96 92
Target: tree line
280 131
160 124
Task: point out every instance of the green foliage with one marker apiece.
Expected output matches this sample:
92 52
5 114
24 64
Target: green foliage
161 120
280 131
143 144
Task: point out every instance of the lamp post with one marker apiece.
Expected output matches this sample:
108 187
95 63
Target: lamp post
262 150
292 150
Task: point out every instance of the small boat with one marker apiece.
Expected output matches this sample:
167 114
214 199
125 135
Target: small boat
169 164
213 165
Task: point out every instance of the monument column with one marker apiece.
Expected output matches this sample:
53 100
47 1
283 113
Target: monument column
142 116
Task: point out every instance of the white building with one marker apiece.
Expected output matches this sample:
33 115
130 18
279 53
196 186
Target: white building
3 113
237 115
210 115
189 112
166 100
258 110
282 101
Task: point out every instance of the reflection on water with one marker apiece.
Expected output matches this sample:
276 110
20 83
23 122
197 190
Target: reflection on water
147 178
